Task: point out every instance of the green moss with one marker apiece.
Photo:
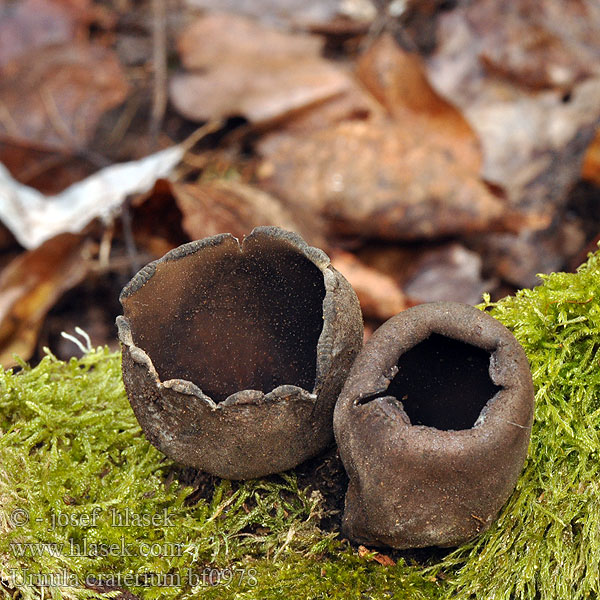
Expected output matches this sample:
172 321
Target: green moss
546 543
70 448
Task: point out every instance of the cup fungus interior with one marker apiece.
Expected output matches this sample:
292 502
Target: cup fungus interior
442 383
229 318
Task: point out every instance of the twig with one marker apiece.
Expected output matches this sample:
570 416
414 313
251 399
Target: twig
159 66
185 168
106 244
124 122
7 121
56 119
42 166
200 133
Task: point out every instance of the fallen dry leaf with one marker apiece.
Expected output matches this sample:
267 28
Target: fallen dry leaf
409 175
354 104
29 287
291 13
431 272
229 206
156 220
538 45
394 260
518 258
368 178
223 37
448 273
238 67
379 295
526 75
46 171
382 559
34 218
30 24
591 162
53 98
398 80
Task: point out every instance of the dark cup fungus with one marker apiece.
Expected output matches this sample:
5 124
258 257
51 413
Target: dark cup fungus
433 426
234 354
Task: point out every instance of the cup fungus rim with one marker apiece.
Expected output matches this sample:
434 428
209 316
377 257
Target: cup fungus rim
242 397
440 322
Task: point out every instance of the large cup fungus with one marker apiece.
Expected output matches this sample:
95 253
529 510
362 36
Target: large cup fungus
433 426
234 354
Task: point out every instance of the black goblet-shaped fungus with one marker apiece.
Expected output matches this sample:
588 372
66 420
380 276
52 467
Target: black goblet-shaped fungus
234 354
433 426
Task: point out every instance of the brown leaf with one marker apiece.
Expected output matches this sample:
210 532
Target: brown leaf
399 81
382 559
379 295
54 98
46 171
229 206
238 67
408 175
591 163
29 287
156 220
222 37
518 258
354 104
430 272
526 75
448 273
377 178
394 260
30 24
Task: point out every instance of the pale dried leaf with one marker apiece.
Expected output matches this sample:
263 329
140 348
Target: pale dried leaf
238 67
34 218
30 24
291 13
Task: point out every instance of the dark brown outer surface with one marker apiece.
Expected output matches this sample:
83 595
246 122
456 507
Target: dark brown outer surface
416 486
251 434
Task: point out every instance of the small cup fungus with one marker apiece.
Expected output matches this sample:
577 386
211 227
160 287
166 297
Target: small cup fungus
234 354
433 426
